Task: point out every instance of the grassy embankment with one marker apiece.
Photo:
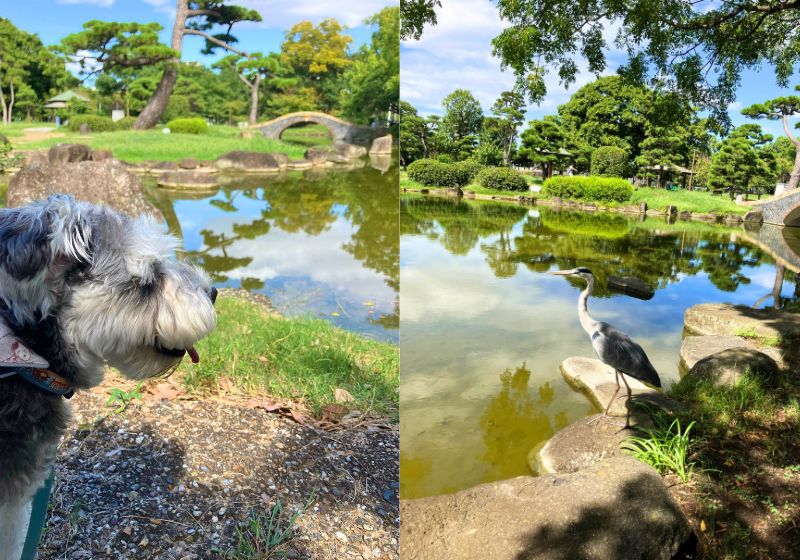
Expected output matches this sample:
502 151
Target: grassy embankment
743 492
140 145
656 199
302 359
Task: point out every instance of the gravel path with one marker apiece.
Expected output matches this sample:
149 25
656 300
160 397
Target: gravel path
173 479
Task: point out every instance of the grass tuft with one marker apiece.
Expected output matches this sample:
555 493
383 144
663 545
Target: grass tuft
664 449
301 358
266 532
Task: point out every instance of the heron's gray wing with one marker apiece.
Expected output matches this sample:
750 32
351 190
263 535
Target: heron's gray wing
616 349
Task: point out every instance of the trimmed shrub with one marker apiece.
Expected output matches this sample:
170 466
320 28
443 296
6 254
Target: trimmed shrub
606 189
468 170
444 158
432 173
502 178
96 123
194 125
610 161
125 123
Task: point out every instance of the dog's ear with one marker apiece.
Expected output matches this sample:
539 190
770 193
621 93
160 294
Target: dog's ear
70 230
35 235
24 242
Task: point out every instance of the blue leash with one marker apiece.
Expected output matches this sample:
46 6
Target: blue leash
38 517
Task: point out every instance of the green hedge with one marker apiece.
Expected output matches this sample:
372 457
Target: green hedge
432 173
503 179
606 189
192 125
96 123
468 169
125 123
610 161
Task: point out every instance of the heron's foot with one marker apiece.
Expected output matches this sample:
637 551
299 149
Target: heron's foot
597 419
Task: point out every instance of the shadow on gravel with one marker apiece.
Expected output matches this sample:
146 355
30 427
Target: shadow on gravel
165 481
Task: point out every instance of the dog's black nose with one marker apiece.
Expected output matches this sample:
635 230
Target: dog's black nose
212 294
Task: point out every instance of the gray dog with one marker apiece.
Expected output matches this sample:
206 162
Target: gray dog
81 286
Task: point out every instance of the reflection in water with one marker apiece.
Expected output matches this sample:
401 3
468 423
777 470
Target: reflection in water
315 243
475 302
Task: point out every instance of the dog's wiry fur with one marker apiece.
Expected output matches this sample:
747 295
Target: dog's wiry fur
82 286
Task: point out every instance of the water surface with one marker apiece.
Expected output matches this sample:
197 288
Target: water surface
485 328
323 242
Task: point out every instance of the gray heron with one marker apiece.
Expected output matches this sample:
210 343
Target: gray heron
612 346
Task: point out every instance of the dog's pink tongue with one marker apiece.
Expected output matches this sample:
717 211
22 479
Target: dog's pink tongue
193 354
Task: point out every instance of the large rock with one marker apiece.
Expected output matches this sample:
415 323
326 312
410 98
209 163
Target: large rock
69 153
248 161
381 145
581 444
726 319
350 151
726 367
616 509
596 380
317 155
632 286
100 182
696 348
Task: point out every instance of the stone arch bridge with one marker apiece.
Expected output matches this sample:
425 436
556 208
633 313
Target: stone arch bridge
341 130
781 210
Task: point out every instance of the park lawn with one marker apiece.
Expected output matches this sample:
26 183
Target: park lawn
141 145
308 135
698 202
406 183
694 201
16 128
301 358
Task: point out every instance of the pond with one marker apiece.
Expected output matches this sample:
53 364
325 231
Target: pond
485 328
320 242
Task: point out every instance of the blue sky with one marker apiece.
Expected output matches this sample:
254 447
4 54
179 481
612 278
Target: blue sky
54 19
456 53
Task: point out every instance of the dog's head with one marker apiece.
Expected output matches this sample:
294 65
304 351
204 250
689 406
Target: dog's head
84 285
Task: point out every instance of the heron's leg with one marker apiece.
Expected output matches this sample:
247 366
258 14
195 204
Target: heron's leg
627 403
616 378
614 396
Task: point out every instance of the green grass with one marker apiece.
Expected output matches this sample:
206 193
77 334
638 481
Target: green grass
693 201
750 332
266 532
406 183
697 202
15 129
303 359
665 449
308 135
140 145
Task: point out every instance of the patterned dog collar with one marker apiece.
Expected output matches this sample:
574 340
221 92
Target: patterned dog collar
44 379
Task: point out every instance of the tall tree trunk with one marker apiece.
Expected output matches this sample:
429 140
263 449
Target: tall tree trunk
254 99
158 101
794 177
11 103
3 103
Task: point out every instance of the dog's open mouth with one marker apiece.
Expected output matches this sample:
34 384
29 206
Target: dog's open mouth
179 352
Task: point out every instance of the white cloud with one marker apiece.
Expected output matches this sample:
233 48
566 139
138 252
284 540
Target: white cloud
283 14
163 6
75 66
101 3
456 53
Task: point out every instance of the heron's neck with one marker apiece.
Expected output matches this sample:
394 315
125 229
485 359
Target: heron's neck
583 308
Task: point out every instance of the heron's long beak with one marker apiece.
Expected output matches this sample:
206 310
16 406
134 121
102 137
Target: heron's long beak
560 272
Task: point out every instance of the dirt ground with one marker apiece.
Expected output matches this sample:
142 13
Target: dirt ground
172 479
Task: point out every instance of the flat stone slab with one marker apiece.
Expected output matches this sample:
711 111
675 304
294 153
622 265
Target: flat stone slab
299 164
188 180
695 348
631 286
727 319
618 508
596 380
583 443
